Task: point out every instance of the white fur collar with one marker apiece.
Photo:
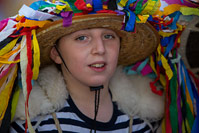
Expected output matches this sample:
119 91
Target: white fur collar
132 94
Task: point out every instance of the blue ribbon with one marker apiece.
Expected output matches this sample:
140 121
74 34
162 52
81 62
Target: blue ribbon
175 17
170 44
185 75
130 24
36 5
142 65
182 77
182 1
97 5
195 128
130 2
128 70
164 41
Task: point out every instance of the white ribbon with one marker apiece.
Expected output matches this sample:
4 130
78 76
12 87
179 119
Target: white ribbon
34 14
8 30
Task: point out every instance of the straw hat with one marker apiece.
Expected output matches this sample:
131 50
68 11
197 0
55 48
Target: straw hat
135 45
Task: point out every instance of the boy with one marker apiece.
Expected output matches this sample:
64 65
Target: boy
86 46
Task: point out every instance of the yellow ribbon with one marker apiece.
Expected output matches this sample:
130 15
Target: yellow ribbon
10 62
152 64
167 34
189 101
163 80
162 77
6 56
189 11
187 130
150 7
8 47
4 59
166 67
122 3
187 126
36 56
31 23
15 102
180 27
142 18
165 64
60 7
179 40
105 7
19 18
158 8
6 92
171 9
68 8
89 5
163 125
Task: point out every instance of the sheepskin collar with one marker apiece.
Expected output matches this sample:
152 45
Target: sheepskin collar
132 94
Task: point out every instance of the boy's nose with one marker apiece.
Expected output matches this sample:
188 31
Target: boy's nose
98 46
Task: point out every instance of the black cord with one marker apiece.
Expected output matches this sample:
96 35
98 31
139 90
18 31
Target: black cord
61 58
96 102
97 99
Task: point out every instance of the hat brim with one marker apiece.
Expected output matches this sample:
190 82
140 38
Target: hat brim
134 46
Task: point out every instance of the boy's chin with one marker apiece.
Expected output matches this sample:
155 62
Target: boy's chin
96 84
97 81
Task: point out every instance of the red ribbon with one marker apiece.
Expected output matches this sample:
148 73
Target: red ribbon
27 32
152 84
107 11
168 22
81 5
176 44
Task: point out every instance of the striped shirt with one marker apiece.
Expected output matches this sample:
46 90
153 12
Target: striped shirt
71 120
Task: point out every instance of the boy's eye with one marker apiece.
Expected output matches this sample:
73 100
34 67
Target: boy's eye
108 36
81 38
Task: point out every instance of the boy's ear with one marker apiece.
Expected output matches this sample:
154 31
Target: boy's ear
55 56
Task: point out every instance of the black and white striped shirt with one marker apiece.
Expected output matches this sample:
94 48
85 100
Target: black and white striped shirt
73 121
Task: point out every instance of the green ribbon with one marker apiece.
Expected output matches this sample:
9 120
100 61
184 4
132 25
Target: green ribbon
139 7
173 105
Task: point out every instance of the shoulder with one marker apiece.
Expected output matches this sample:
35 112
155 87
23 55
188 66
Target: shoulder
136 123
144 126
41 122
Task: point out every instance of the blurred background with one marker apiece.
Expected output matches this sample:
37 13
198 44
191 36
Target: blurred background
10 7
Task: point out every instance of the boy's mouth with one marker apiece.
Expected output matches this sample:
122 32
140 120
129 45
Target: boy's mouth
97 65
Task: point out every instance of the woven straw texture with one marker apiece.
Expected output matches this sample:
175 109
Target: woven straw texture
134 46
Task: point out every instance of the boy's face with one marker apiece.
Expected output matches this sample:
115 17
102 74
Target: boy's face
91 55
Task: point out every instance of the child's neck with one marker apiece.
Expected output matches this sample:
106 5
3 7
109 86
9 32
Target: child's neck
84 99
